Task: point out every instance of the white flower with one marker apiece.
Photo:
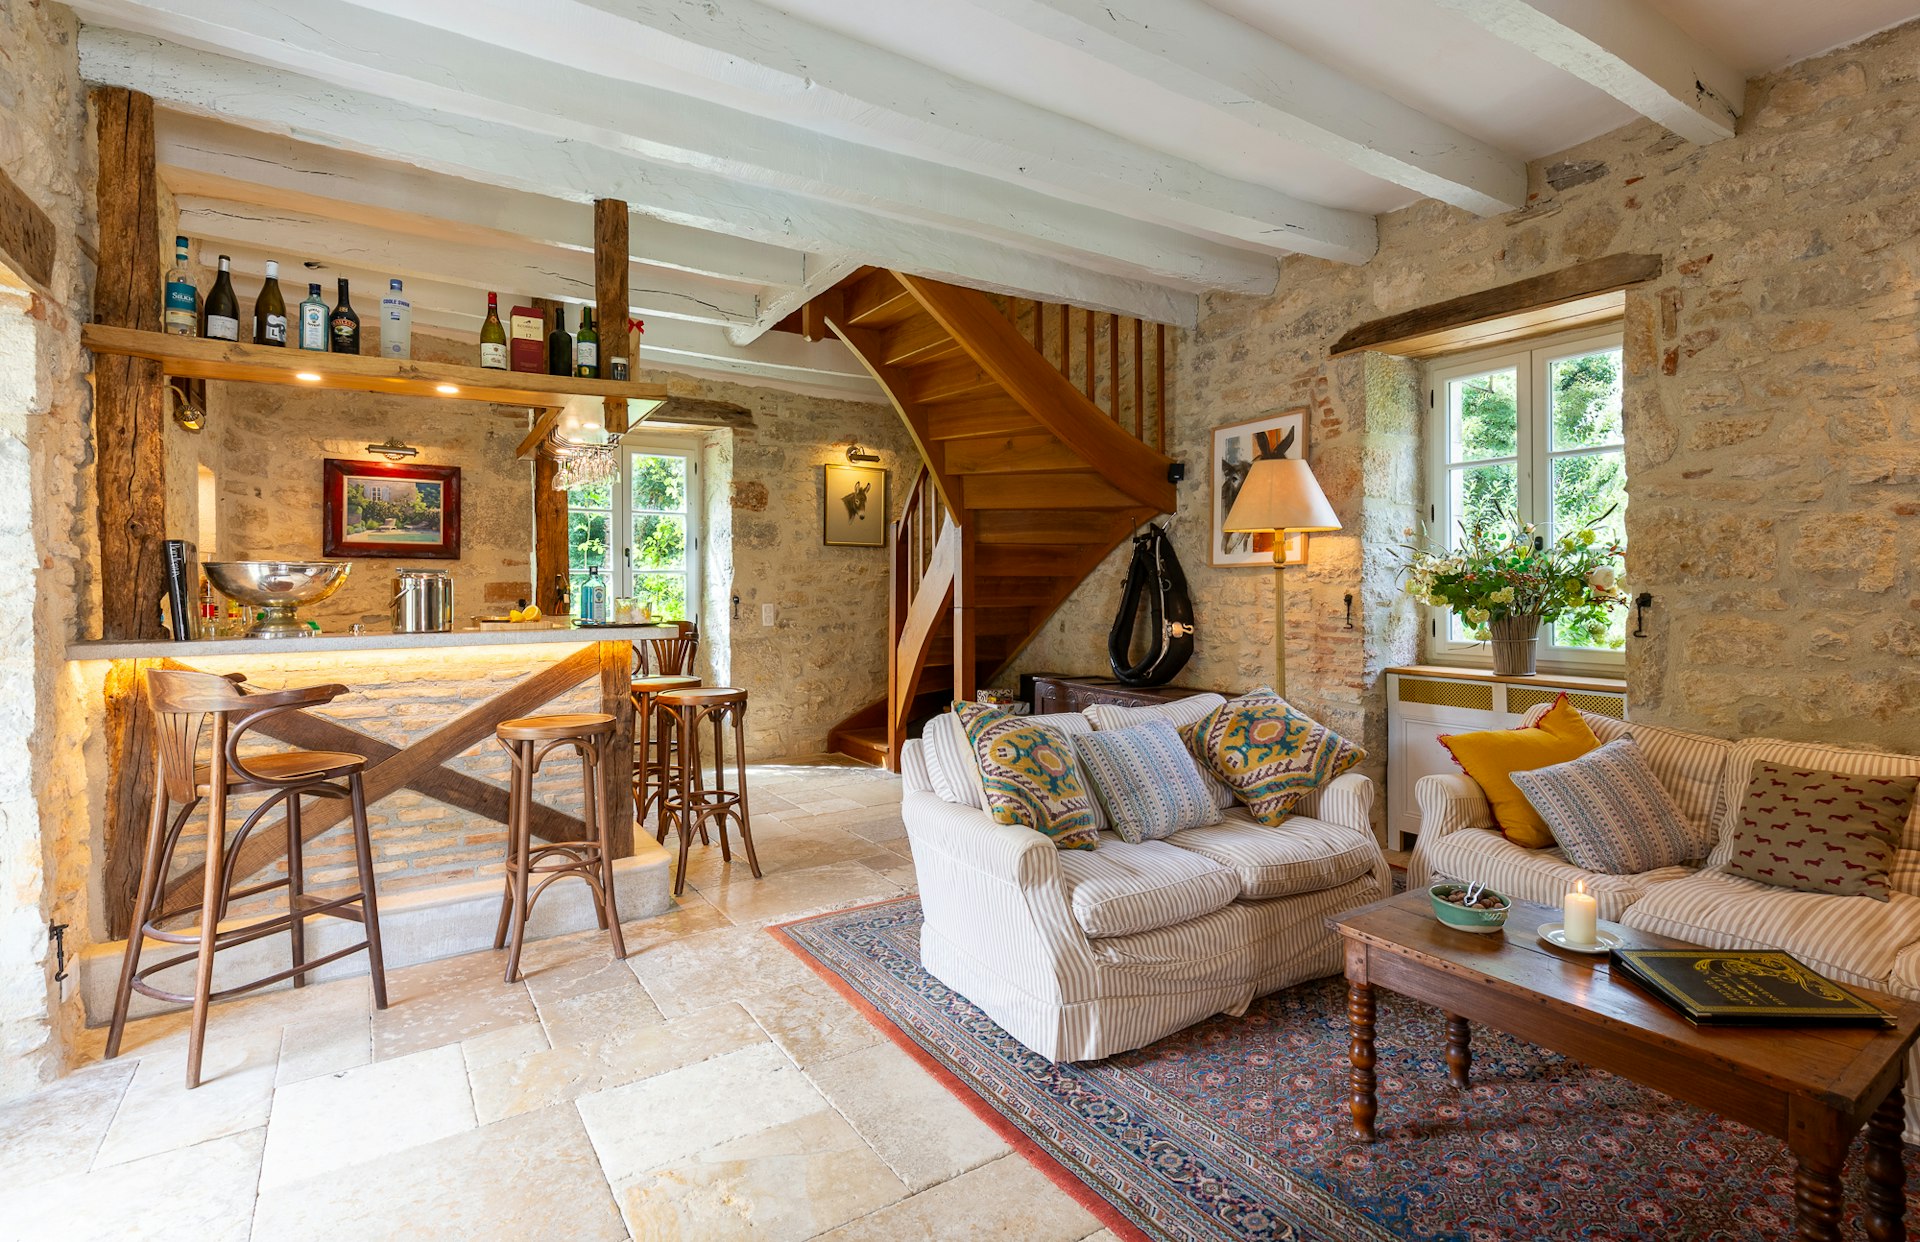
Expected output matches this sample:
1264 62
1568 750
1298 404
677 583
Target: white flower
1602 579
1478 616
1503 596
1587 537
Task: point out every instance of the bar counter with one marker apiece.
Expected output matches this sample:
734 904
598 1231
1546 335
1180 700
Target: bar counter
156 649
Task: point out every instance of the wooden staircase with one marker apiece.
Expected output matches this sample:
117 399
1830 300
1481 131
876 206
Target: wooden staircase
1026 483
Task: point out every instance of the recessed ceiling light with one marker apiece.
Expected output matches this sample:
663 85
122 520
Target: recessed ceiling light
308 376
447 389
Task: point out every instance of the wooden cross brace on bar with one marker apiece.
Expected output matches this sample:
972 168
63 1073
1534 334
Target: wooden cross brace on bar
419 766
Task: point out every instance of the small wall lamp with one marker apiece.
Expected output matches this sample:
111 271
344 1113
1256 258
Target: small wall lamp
857 454
394 449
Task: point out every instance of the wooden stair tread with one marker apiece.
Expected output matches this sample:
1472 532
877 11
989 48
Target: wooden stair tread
1066 490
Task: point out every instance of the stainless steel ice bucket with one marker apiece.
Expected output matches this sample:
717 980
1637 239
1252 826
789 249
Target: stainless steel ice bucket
422 601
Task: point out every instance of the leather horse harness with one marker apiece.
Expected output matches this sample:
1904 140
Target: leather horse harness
1155 571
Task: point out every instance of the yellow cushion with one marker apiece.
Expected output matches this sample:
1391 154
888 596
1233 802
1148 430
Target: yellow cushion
1492 757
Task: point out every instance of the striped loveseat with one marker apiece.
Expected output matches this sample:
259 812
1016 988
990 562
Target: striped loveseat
1080 954
1858 940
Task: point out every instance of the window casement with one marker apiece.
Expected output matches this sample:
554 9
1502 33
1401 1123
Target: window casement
642 528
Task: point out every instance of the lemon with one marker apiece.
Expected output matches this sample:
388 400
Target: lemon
516 615
531 613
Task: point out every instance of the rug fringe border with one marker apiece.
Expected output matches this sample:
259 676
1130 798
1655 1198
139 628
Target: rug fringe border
1054 1171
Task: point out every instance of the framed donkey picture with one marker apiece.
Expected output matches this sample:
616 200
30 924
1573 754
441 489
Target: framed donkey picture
1235 448
853 506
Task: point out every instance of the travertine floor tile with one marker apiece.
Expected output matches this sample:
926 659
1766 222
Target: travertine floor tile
509 1043
509 1085
602 1014
159 1114
368 1114
781 1185
56 1131
324 1046
923 1132
202 1193
650 1123
1006 1201
440 1003
774 898
533 1176
716 966
781 851
811 1023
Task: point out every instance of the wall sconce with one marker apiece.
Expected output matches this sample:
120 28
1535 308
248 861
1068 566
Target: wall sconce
189 406
856 454
394 449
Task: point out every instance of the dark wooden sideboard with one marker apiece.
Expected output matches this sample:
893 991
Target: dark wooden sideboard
1056 692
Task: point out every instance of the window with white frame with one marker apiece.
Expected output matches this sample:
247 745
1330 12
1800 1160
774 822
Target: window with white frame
1531 431
642 529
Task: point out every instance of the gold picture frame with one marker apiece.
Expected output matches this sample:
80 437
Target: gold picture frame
853 506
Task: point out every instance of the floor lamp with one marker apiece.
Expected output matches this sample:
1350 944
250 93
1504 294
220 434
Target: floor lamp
1281 496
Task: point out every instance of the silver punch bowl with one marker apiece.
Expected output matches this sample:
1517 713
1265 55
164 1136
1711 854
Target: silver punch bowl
278 588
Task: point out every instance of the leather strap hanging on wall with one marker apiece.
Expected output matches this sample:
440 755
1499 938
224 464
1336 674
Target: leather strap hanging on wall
1155 570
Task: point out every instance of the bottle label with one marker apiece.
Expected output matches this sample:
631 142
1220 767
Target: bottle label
274 328
586 354
313 326
493 355
182 296
223 328
346 337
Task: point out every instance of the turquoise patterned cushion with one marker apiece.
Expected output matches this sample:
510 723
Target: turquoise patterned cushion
1029 777
1147 781
1270 755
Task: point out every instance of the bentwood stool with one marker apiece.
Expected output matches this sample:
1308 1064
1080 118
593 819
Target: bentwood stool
664 664
691 804
183 702
531 868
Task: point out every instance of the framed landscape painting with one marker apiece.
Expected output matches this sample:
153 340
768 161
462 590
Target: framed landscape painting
1235 448
854 507
377 508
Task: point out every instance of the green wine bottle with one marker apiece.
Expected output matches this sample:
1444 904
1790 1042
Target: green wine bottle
493 337
586 347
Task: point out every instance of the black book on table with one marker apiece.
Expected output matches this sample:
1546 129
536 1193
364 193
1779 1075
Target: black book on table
183 574
1751 987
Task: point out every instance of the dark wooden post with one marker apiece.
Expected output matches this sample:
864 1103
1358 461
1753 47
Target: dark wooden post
616 699
611 307
549 534
129 394
129 735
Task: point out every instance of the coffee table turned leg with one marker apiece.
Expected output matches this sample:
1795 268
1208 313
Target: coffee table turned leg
1887 1170
1360 1055
1459 1051
1816 1200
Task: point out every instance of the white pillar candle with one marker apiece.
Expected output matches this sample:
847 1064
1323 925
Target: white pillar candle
1579 917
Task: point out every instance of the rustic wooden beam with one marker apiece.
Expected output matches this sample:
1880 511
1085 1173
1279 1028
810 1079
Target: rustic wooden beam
697 412
129 737
610 310
616 699
129 398
549 536
26 236
1569 284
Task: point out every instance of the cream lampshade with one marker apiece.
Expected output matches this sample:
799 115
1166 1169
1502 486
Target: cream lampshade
1280 495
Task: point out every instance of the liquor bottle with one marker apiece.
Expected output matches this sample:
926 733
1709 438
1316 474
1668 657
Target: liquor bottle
270 311
559 345
344 324
563 594
593 597
586 347
220 321
181 314
396 323
493 337
313 319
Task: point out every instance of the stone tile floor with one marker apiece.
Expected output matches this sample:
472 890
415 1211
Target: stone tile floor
710 1087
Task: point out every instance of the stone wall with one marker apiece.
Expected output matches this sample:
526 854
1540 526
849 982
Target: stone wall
1773 438
46 499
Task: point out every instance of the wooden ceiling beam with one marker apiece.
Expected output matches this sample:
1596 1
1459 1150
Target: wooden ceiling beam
1627 49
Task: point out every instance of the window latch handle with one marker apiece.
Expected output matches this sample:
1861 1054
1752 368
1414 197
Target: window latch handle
1539 543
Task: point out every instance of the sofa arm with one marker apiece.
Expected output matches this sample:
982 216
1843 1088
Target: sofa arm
1346 800
1448 803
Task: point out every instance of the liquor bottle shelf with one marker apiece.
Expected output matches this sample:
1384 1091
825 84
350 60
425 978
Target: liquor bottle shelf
188 357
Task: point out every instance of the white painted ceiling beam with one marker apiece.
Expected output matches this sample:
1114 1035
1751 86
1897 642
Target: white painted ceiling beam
780 304
503 155
214 160
1194 50
782 68
403 61
555 273
1627 49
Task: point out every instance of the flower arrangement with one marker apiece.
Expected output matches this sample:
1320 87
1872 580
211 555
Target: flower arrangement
1498 573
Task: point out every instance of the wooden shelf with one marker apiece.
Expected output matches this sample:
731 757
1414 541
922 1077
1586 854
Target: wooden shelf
190 357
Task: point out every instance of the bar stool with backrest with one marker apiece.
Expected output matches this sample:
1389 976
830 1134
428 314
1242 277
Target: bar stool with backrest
532 868
183 703
691 805
664 664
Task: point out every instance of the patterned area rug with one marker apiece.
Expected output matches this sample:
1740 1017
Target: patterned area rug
1237 1128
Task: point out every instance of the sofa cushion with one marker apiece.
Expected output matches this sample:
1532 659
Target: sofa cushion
1029 776
1609 812
1302 855
1492 756
1805 755
1123 888
1272 754
1146 781
1691 767
1179 713
1543 876
951 771
1820 832
1853 939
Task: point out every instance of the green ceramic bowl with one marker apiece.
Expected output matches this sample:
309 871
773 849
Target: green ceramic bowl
1483 921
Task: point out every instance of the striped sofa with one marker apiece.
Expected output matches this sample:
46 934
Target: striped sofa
1857 940
1081 954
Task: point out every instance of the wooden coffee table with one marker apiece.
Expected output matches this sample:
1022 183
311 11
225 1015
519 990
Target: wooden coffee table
1814 1087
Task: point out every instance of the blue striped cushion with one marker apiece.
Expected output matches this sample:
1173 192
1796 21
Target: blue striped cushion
1146 780
1609 812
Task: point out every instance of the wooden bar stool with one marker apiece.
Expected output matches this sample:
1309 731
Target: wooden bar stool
182 703
691 805
529 740
663 664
